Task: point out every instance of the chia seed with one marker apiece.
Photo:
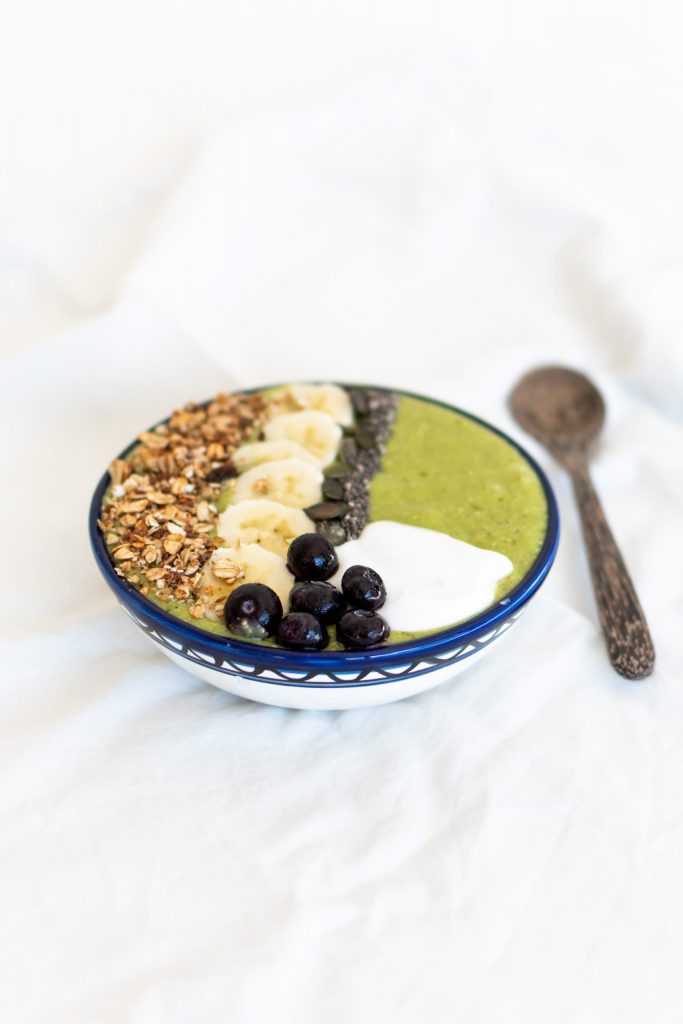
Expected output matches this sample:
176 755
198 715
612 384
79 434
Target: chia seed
378 421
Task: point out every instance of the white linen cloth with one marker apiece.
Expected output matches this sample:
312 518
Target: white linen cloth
506 847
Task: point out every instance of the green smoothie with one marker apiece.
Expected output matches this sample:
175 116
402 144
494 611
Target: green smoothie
445 472
438 470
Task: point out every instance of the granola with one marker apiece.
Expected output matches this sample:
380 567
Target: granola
159 516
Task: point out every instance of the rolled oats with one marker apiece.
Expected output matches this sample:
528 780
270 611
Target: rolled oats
151 489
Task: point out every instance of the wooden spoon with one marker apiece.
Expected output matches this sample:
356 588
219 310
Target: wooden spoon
565 412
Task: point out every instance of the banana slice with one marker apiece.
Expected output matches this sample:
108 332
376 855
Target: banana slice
230 567
327 398
316 431
292 482
260 521
266 451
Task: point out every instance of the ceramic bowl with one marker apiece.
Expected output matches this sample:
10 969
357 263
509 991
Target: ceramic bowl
334 679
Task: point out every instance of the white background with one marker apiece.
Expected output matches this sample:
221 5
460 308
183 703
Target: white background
93 93
438 196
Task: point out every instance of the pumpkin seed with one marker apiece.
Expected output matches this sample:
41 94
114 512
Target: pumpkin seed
326 510
332 530
359 400
333 489
337 470
365 437
349 451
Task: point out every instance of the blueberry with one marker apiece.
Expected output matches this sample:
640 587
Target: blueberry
302 630
311 557
363 587
253 611
360 628
318 598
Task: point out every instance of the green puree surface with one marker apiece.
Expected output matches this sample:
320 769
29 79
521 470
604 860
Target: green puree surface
445 472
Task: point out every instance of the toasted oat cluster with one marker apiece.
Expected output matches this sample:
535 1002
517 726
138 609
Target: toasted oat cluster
160 512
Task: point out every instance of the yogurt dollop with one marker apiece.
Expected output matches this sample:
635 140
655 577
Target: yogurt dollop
432 579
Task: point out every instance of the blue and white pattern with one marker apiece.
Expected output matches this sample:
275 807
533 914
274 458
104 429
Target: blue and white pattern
258 668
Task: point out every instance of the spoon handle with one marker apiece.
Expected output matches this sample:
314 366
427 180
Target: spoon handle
629 644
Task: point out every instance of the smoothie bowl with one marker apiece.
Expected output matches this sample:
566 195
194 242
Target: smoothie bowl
323 545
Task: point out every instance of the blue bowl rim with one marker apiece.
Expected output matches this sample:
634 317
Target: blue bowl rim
320 661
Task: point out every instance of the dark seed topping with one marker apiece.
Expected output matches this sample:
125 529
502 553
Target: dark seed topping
349 451
365 437
372 434
337 471
359 400
326 510
332 530
333 489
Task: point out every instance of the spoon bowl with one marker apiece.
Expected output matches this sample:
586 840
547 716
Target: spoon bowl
561 408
